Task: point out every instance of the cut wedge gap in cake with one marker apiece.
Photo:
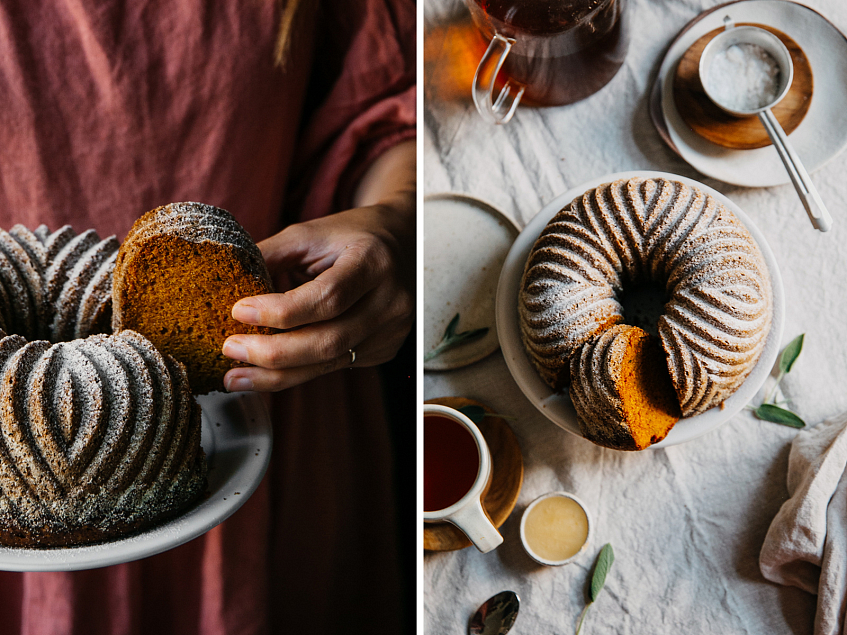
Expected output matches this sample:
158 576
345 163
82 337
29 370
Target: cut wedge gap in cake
649 400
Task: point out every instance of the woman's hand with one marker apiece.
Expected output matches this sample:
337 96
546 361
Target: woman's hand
359 292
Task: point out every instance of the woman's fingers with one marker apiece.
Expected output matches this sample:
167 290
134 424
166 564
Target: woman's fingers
358 297
370 352
266 380
322 342
359 268
304 347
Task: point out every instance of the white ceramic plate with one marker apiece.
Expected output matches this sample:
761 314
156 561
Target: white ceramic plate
236 437
465 243
557 406
818 139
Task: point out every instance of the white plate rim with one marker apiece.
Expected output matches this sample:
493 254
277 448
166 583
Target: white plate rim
557 407
474 200
470 355
762 166
248 442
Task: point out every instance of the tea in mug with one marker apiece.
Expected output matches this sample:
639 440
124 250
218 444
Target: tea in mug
451 462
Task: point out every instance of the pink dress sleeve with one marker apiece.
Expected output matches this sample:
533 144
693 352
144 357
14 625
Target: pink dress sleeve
365 81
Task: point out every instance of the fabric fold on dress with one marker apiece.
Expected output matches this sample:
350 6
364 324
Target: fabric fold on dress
806 545
368 46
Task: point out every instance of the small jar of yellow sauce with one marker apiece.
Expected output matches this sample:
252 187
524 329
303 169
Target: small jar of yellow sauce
555 528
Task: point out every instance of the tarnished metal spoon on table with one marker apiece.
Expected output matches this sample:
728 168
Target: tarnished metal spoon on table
496 616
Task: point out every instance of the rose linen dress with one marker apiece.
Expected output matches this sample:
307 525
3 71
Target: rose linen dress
110 108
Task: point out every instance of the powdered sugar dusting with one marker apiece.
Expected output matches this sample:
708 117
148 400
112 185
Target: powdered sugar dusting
92 481
87 443
660 231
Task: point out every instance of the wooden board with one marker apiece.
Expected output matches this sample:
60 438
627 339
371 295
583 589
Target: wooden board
721 128
507 477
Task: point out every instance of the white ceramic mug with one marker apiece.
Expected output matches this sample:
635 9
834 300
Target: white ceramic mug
467 513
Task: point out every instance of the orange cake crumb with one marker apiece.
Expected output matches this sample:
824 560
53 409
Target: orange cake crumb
622 390
649 401
179 273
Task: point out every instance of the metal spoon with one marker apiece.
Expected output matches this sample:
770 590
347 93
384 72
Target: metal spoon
496 616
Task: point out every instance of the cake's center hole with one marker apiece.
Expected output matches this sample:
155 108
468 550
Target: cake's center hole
643 305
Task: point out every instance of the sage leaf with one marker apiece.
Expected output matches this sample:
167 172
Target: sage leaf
478 413
604 563
474 413
769 410
775 414
790 353
598 579
452 339
450 331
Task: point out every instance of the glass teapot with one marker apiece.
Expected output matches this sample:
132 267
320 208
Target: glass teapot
552 52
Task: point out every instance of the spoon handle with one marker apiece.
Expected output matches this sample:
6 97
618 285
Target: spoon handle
806 190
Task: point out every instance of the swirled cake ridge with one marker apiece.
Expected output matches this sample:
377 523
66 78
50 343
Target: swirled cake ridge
98 437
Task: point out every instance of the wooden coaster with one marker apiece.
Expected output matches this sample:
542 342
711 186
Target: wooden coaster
740 133
502 495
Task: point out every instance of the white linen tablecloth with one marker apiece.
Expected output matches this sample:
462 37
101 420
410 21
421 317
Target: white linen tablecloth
687 523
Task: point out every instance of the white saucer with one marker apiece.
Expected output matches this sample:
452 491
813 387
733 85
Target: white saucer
820 137
557 406
465 243
237 440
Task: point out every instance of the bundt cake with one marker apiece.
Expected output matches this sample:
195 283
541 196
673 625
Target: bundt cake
178 274
629 232
99 434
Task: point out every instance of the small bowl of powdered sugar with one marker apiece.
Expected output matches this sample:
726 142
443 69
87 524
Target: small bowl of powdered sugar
745 70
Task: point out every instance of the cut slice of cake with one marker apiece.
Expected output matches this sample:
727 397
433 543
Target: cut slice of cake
178 274
622 390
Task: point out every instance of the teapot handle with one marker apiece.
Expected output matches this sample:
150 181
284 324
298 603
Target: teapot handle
501 109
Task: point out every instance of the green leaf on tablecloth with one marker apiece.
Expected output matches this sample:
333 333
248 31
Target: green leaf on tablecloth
598 579
474 413
604 563
775 414
769 410
478 413
450 331
452 339
790 353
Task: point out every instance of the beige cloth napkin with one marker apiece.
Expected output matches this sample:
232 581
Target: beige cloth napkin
806 545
